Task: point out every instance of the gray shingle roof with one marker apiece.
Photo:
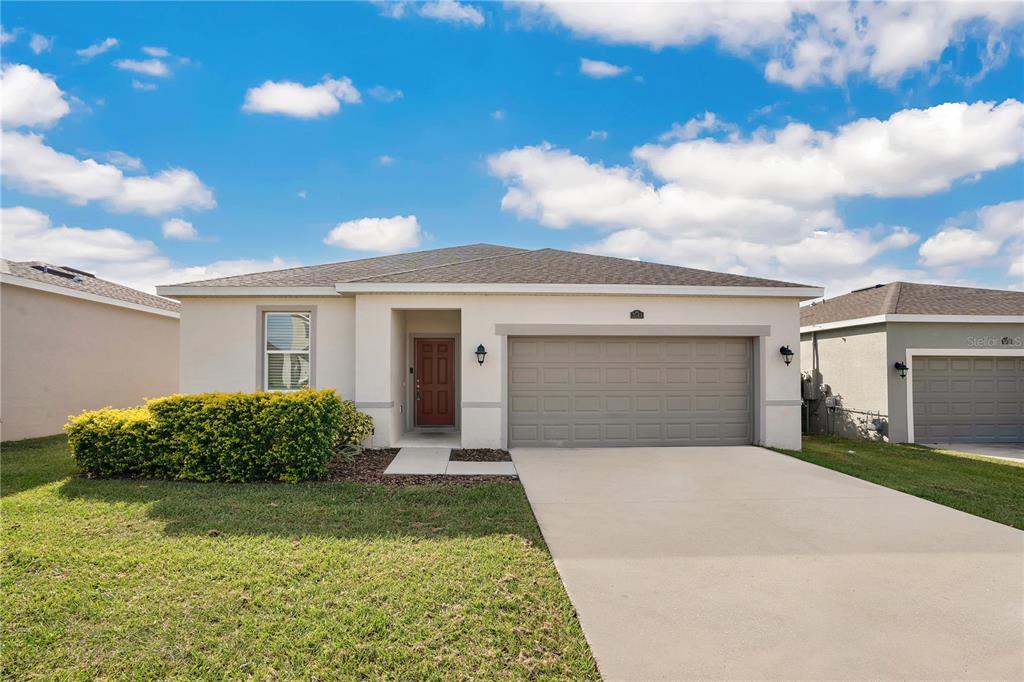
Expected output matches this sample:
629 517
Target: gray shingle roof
77 280
907 298
487 264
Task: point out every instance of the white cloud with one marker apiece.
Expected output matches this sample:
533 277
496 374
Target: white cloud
800 43
301 194
97 49
146 67
37 168
384 235
159 52
385 160
452 11
124 161
439 10
598 135
692 129
144 87
39 43
498 114
176 228
29 98
379 92
996 226
112 254
766 204
301 101
8 36
597 69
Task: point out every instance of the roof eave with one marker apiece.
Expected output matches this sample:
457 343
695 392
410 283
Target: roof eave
925 319
801 293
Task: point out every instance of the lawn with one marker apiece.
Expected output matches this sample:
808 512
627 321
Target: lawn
152 579
984 487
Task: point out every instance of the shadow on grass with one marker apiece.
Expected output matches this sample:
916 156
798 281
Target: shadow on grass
319 509
34 462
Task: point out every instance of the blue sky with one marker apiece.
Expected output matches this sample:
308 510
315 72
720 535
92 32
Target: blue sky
804 148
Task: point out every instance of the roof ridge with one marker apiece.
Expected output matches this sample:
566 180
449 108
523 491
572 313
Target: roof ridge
519 252
892 300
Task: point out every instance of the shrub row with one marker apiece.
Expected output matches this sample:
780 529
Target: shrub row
219 436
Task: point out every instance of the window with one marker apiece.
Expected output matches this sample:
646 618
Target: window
286 352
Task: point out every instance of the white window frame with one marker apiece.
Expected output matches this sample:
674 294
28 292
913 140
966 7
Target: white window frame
267 352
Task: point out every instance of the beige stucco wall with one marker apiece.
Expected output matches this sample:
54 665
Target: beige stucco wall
61 355
853 362
221 337
362 345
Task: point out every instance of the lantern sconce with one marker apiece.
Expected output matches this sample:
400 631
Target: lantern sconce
901 368
481 353
787 354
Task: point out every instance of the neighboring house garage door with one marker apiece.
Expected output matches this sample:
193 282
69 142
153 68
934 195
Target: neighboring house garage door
620 391
968 399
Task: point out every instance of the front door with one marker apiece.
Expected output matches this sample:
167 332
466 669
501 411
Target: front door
435 382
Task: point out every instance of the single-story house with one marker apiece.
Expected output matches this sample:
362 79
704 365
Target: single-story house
70 341
918 363
502 346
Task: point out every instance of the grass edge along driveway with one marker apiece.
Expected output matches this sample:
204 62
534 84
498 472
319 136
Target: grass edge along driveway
989 488
155 579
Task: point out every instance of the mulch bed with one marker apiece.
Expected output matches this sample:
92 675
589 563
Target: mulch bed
370 465
480 455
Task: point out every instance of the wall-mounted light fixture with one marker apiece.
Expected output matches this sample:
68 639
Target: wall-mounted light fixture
901 368
481 353
787 354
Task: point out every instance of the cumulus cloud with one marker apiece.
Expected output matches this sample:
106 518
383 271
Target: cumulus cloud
8 36
594 68
146 67
98 48
29 98
29 234
176 228
997 229
34 167
301 101
143 87
384 235
40 43
598 135
385 160
159 52
800 43
449 11
124 161
695 127
763 204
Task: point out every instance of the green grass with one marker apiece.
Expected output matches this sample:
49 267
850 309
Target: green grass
153 579
989 488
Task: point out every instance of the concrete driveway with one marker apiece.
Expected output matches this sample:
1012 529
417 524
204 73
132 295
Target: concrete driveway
1011 451
738 562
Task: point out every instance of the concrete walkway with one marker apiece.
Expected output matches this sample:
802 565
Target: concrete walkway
1011 451
434 461
741 563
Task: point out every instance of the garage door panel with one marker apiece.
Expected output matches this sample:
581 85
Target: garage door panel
965 399
590 392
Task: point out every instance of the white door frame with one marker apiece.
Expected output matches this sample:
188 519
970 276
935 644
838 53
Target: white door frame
962 352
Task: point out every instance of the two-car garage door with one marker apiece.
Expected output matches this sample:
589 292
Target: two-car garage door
968 399
623 391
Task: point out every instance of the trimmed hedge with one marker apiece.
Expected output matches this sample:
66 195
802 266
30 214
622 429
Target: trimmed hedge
219 436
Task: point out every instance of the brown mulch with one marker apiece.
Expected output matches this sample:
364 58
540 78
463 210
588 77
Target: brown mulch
480 455
370 465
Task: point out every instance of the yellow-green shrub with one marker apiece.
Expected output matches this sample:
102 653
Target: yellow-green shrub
227 436
112 442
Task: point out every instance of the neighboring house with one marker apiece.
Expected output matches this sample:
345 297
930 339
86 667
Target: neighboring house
503 346
963 353
70 341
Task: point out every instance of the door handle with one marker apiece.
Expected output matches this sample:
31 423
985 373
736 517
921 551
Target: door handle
417 390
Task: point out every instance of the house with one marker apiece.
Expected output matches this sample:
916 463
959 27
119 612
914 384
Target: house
70 341
918 363
499 346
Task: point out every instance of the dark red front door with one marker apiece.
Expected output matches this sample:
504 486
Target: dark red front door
435 382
